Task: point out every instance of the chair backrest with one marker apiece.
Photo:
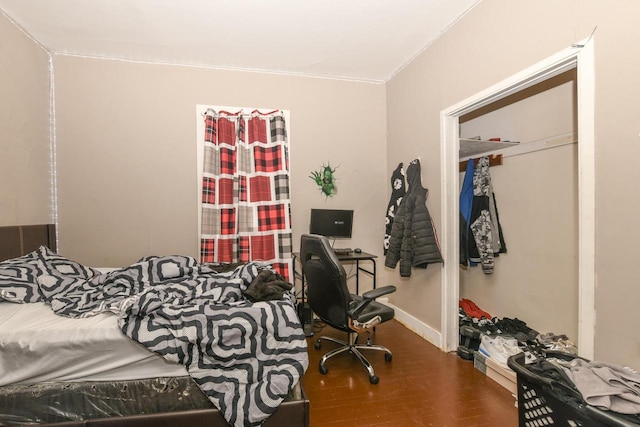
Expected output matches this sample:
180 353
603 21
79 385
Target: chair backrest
327 291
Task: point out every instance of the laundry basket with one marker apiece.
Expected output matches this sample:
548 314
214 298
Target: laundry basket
544 401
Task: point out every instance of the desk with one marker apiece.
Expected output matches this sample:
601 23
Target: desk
353 256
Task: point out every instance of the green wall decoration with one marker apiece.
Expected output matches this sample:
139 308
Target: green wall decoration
325 179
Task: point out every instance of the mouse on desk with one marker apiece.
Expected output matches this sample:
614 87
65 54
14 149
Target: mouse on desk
357 250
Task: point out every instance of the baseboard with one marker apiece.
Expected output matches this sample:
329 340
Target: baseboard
418 326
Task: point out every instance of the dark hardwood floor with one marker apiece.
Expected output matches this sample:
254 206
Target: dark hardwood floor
421 386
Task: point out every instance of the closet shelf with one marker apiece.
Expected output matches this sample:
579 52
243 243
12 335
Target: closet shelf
473 148
470 147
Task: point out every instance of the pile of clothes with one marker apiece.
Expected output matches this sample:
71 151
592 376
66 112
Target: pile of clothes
500 338
605 386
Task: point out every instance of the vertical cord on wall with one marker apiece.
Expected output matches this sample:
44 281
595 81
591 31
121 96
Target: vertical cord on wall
52 149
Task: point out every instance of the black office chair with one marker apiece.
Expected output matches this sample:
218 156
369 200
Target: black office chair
330 299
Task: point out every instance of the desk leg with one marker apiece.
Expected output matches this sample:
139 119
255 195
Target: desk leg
357 277
374 273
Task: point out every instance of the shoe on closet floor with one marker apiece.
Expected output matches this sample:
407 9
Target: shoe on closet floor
499 348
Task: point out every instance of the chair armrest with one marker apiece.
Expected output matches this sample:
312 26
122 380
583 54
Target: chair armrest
378 292
368 297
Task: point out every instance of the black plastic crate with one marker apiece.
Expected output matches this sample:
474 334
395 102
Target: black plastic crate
544 401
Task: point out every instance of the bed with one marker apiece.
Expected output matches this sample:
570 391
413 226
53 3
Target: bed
165 341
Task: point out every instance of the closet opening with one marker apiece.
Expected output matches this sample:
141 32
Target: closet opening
573 64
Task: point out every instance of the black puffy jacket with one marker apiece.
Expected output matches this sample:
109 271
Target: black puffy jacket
413 239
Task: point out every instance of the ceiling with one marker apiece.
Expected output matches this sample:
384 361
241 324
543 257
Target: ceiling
364 40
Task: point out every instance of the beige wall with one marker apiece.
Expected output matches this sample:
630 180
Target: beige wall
497 39
25 192
126 138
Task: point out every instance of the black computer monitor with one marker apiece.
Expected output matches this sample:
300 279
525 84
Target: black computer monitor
332 223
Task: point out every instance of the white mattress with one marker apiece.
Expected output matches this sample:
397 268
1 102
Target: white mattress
37 345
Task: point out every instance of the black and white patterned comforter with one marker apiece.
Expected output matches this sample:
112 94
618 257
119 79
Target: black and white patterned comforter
245 356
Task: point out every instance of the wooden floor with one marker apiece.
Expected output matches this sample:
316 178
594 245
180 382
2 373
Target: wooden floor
421 386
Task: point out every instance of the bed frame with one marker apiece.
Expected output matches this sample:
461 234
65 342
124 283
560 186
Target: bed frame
294 411
19 240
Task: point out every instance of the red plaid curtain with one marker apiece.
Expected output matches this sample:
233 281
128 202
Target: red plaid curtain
246 204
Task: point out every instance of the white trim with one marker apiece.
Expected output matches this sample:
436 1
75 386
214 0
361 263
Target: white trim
579 55
225 68
417 326
544 70
450 291
586 202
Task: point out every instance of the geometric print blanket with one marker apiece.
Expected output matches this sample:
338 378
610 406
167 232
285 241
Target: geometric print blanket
245 356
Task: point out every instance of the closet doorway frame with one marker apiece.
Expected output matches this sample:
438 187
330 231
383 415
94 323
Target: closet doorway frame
579 56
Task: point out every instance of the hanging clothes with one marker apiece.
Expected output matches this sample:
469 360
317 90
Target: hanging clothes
466 204
398 190
413 241
487 240
503 244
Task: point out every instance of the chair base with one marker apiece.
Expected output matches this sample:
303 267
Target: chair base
353 347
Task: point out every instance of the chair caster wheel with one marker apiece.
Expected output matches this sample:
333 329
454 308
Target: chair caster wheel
316 345
388 357
323 369
373 379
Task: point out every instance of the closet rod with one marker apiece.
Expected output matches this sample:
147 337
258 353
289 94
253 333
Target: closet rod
494 160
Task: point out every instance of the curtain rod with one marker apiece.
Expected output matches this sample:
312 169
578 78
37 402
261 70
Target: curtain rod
254 113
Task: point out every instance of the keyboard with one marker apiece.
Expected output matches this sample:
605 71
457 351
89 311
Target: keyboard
342 251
